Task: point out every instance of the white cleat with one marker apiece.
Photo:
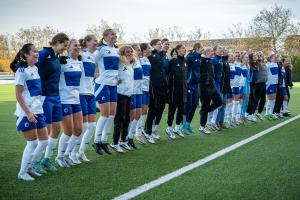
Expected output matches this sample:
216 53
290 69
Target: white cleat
139 138
179 133
204 130
61 162
149 138
75 159
170 133
32 172
155 135
82 156
125 145
25 177
117 148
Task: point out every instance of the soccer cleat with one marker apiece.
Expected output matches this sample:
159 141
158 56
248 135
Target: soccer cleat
170 134
117 148
155 135
178 132
83 157
149 138
68 161
131 144
48 165
216 127
274 116
259 116
286 114
204 130
32 172
97 148
74 158
105 148
25 177
126 145
140 138
61 162
39 168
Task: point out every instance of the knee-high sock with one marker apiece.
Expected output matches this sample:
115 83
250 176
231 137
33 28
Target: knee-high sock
71 144
234 109
52 142
87 137
209 117
27 156
228 111
78 142
39 150
244 106
285 106
106 129
272 105
239 109
132 128
140 125
99 128
63 143
214 116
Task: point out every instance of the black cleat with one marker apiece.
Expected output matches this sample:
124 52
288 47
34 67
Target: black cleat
105 148
131 143
97 148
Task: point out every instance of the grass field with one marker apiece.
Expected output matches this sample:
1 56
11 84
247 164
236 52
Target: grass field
268 168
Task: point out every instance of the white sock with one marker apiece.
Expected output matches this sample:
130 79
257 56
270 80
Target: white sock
71 144
209 117
285 106
177 127
106 129
272 105
27 156
50 147
78 142
214 116
99 128
234 108
132 128
87 137
239 109
228 110
39 150
140 125
63 143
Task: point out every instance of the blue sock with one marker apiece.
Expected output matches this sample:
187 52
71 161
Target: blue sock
244 106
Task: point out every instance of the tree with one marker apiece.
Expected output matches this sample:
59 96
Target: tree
4 47
196 34
155 33
98 30
275 23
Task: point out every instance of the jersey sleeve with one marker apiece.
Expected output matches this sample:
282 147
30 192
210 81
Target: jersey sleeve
20 77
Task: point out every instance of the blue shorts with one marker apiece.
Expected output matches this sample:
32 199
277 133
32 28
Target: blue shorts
236 90
284 91
146 98
52 109
88 104
105 93
272 89
136 101
69 109
24 125
229 95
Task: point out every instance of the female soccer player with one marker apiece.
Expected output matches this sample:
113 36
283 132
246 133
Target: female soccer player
69 85
49 71
29 111
107 59
146 51
177 78
245 84
87 98
125 91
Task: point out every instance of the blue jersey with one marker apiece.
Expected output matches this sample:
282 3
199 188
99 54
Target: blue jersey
88 73
107 59
49 70
69 83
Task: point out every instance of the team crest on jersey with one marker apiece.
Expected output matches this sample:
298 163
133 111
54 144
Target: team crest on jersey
108 51
32 74
49 57
66 110
71 67
103 98
26 124
178 65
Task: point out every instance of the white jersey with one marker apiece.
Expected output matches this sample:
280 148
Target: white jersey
88 73
69 82
126 74
244 75
272 69
236 73
138 78
146 73
107 59
32 90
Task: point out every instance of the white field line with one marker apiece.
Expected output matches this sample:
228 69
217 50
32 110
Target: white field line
163 179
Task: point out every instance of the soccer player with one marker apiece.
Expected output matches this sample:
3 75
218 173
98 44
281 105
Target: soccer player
29 111
177 82
107 60
49 70
69 85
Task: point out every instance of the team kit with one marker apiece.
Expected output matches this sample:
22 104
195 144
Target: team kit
58 95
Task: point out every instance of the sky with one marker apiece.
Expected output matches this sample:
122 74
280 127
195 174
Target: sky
136 16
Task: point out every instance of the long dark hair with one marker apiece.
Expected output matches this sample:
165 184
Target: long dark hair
20 59
175 50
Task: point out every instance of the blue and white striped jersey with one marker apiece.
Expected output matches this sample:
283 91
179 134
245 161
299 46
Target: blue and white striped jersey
88 73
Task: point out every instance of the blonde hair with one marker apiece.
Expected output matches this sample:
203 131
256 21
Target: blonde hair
123 58
206 49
